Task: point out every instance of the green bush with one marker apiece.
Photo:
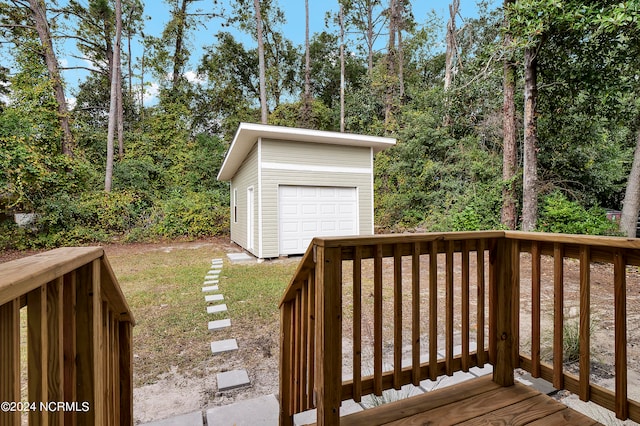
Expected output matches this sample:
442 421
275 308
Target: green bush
192 214
558 214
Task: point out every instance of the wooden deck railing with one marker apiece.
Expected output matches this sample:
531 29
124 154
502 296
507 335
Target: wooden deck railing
77 355
378 310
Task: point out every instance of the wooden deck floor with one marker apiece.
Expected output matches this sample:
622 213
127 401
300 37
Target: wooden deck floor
474 402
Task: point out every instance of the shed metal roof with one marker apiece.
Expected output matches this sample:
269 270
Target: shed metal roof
248 133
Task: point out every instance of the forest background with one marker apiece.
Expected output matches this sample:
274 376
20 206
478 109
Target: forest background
526 118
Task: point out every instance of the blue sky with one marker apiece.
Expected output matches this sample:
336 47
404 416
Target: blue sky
158 14
294 11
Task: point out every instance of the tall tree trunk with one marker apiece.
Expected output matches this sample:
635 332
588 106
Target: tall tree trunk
120 112
178 54
391 66
262 65
342 79
370 35
306 115
400 28
450 56
39 13
114 99
530 171
631 203
509 151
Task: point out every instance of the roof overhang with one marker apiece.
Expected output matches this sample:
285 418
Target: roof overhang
248 133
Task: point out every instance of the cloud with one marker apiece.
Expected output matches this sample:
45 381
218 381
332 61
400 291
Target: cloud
193 77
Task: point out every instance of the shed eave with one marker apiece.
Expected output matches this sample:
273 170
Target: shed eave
247 135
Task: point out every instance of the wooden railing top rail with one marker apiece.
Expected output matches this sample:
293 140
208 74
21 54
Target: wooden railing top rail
21 276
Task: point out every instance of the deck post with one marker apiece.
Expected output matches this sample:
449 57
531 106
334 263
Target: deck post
329 335
286 418
502 262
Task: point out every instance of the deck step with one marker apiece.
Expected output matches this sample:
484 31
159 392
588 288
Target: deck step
214 298
232 380
216 309
224 346
219 324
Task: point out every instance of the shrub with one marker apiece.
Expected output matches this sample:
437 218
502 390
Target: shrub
558 214
192 214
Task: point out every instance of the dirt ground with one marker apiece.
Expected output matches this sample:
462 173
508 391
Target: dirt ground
175 393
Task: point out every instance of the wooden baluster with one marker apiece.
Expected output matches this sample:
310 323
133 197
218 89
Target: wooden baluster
125 334
10 359
502 283
480 303
433 310
535 309
377 321
304 327
297 351
494 274
464 294
449 309
620 315
69 331
585 323
357 324
313 348
558 315
286 409
515 291
37 342
55 357
397 317
329 334
415 314
89 344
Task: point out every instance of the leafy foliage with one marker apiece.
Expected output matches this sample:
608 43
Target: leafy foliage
564 216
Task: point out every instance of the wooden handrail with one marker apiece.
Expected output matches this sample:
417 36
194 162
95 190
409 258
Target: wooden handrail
327 289
79 331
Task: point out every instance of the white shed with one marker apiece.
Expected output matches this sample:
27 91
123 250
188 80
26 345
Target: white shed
289 185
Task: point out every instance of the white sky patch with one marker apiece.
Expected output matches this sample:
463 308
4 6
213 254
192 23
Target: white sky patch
71 103
151 94
192 77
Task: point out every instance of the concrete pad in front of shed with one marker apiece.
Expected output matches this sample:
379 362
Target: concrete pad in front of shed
214 298
240 257
219 324
191 419
262 411
216 309
224 346
232 380
210 288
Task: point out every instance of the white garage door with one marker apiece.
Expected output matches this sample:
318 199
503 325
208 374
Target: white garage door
309 211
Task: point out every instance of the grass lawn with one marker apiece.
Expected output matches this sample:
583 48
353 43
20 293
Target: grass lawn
163 286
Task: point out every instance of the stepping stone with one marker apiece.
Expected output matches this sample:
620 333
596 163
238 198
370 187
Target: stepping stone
214 272
211 282
214 298
191 419
210 288
262 411
217 325
216 309
211 277
224 346
232 379
216 260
